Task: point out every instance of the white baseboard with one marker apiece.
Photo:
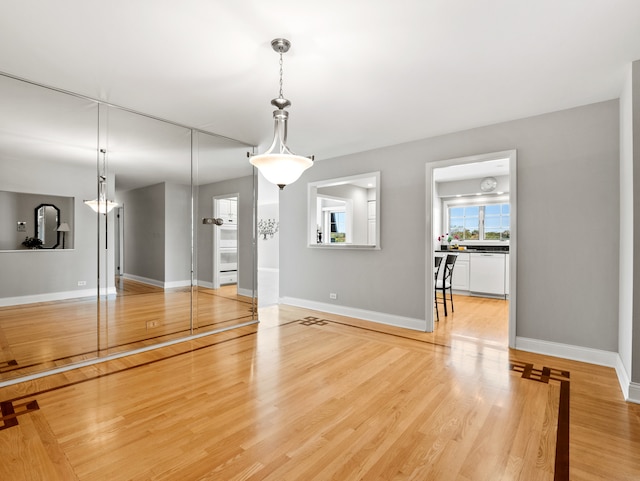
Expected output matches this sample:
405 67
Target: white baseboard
173 284
157 283
51 296
144 280
630 390
245 292
380 317
567 351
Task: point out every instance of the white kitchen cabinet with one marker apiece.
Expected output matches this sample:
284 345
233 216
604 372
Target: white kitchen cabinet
228 210
487 273
228 277
506 274
460 281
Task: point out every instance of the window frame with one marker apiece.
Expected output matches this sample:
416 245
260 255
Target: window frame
479 201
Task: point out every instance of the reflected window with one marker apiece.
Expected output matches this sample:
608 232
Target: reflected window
337 225
344 211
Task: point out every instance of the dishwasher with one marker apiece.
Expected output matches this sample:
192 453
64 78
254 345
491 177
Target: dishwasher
486 273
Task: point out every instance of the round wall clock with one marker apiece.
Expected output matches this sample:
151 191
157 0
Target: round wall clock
488 184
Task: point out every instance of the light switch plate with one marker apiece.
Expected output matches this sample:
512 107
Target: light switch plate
22 227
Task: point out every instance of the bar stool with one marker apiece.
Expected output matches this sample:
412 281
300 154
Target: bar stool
444 283
436 272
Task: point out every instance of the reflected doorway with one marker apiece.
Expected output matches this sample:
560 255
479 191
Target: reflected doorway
225 244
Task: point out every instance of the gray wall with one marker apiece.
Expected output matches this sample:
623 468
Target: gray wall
178 233
144 232
242 186
568 218
157 233
9 238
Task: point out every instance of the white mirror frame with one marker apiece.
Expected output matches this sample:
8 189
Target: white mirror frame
312 190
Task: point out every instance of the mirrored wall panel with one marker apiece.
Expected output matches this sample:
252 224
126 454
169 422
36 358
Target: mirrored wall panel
225 264
102 245
48 145
145 261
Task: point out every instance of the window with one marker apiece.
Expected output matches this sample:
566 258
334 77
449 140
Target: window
465 222
338 226
484 222
496 222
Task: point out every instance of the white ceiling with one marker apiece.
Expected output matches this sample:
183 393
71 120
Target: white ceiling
360 74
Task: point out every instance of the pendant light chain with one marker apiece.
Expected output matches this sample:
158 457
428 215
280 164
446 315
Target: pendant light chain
281 95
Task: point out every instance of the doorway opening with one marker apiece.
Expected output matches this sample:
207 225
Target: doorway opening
225 244
471 213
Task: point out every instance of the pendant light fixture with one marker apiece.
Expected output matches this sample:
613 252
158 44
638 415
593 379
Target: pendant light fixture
101 204
278 164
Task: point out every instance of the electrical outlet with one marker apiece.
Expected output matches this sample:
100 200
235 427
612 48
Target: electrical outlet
333 295
82 283
152 324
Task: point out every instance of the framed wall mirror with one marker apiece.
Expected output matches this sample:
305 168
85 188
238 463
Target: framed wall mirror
345 212
47 221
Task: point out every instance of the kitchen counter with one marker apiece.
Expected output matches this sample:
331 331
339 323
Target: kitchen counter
473 250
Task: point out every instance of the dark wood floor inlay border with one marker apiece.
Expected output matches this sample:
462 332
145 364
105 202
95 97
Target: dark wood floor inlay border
10 412
8 366
314 321
544 375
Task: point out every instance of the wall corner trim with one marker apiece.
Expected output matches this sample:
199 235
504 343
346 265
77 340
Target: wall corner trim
379 317
634 393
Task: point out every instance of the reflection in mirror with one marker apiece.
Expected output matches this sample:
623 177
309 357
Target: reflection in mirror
47 221
134 277
47 156
345 212
146 268
22 213
225 269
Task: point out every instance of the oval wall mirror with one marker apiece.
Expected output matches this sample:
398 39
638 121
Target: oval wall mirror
47 221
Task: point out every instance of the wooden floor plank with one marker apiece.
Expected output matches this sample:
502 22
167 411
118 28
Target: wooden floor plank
341 399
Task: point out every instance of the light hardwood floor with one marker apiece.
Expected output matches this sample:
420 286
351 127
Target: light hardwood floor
307 395
41 336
